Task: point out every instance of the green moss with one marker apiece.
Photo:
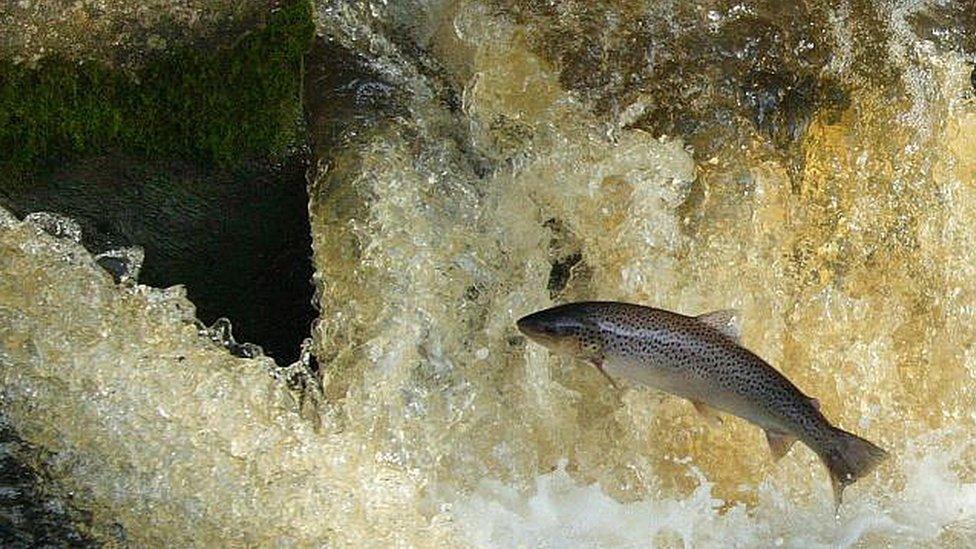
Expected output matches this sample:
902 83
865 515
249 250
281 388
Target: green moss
212 105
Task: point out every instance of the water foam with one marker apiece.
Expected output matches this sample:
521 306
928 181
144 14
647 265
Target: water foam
935 505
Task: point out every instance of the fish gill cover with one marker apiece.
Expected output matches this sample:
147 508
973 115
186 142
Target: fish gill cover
810 167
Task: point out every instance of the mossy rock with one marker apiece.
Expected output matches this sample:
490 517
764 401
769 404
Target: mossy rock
215 105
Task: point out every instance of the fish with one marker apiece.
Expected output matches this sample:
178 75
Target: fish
701 358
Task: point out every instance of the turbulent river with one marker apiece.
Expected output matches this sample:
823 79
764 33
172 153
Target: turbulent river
812 166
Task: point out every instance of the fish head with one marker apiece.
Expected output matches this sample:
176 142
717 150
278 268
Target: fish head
565 330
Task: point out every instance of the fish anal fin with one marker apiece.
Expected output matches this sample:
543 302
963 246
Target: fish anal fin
709 413
779 443
725 321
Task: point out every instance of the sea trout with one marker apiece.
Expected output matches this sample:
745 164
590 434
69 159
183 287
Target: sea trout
701 359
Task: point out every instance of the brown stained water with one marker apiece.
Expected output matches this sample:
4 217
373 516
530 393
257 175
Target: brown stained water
814 168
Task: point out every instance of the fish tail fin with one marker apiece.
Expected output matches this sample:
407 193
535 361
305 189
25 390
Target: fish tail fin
849 457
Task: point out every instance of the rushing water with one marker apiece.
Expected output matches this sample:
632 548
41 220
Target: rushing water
812 167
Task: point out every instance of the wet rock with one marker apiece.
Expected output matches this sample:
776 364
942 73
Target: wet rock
343 96
719 72
949 25
29 515
122 32
691 65
781 105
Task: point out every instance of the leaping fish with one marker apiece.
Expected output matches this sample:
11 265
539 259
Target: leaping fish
700 358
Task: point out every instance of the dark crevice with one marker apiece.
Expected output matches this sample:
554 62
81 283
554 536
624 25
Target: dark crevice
560 273
240 241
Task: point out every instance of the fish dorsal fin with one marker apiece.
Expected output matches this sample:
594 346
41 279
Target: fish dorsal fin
725 321
779 443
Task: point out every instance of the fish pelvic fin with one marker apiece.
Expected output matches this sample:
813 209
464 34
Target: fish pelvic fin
849 457
710 414
779 443
725 321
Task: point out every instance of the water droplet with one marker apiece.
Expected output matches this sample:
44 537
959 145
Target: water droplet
221 332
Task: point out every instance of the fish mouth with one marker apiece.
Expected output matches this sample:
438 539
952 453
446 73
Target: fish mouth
531 325
538 327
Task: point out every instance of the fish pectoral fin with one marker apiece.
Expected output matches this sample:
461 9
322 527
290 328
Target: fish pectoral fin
725 321
709 413
599 366
779 443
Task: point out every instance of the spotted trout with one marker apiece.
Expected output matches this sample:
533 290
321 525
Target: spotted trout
700 358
